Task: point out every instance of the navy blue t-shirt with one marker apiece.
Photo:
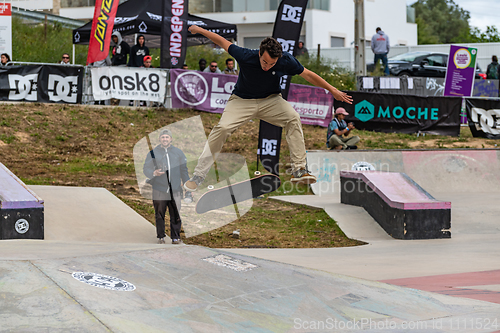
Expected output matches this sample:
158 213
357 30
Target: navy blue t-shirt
253 81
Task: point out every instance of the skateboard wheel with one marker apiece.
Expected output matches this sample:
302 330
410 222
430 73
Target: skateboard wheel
257 173
210 187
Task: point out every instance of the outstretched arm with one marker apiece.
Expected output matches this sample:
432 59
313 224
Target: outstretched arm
318 81
219 40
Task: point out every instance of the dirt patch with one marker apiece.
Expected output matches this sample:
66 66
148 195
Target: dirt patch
22 137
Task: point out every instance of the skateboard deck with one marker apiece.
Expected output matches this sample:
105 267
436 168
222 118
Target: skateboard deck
238 192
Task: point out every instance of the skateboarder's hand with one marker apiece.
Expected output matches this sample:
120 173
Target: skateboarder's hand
342 96
158 172
194 29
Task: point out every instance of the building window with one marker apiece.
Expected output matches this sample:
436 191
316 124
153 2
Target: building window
217 6
337 41
252 42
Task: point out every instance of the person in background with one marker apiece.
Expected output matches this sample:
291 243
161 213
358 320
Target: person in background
184 66
230 67
146 64
380 46
203 64
338 128
493 70
120 50
302 50
138 52
213 68
165 157
101 63
65 59
4 59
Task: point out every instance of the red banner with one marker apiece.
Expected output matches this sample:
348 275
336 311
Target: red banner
102 27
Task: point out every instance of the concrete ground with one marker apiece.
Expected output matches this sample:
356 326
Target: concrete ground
132 284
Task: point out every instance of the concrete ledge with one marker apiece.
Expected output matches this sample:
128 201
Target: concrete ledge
401 207
21 210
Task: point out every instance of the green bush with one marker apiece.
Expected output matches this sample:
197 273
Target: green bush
339 77
37 43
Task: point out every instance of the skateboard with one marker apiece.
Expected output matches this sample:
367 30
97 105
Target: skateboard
238 192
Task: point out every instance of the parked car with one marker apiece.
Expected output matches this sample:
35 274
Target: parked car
425 64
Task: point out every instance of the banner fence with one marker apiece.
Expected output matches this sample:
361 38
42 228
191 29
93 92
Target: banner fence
42 83
210 92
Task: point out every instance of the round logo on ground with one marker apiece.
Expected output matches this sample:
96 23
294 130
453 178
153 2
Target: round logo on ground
22 226
191 88
363 166
103 281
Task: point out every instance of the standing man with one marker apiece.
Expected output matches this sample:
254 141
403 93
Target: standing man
230 67
162 159
212 68
257 94
138 52
302 50
338 128
380 47
120 50
65 59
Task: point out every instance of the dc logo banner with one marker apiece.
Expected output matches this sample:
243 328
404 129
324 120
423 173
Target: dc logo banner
288 45
61 84
287 27
292 14
269 147
63 88
23 87
484 118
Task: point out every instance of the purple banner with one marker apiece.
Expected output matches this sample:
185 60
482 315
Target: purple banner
460 72
210 92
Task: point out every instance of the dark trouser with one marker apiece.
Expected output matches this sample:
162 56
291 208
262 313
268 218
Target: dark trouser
161 204
383 57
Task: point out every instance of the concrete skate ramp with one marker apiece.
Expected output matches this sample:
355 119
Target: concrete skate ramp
195 289
88 214
436 171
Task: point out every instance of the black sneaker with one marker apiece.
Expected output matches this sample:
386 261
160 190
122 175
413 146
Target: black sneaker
302 176
351 147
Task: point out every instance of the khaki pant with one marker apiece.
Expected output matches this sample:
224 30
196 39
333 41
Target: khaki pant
272 109
335 140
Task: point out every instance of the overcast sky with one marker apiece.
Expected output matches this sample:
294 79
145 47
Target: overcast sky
482 12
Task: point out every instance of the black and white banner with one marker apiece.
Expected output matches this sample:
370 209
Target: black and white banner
145 84
42 83
404 113
484 117
174 33
287 27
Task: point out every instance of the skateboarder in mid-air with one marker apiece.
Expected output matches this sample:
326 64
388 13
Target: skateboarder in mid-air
257 94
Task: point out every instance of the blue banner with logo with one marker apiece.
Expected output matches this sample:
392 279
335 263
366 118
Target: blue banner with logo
404 114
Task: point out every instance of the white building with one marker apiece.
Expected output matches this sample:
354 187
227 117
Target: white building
329 23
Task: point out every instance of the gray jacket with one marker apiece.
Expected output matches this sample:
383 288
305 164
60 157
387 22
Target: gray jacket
380 43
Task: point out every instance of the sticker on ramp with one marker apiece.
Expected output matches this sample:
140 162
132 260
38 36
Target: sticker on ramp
103 281
229 262
363 166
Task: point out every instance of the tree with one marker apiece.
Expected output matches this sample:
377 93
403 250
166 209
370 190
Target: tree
491 35
441 21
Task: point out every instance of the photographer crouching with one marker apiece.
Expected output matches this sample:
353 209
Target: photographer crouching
338 132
